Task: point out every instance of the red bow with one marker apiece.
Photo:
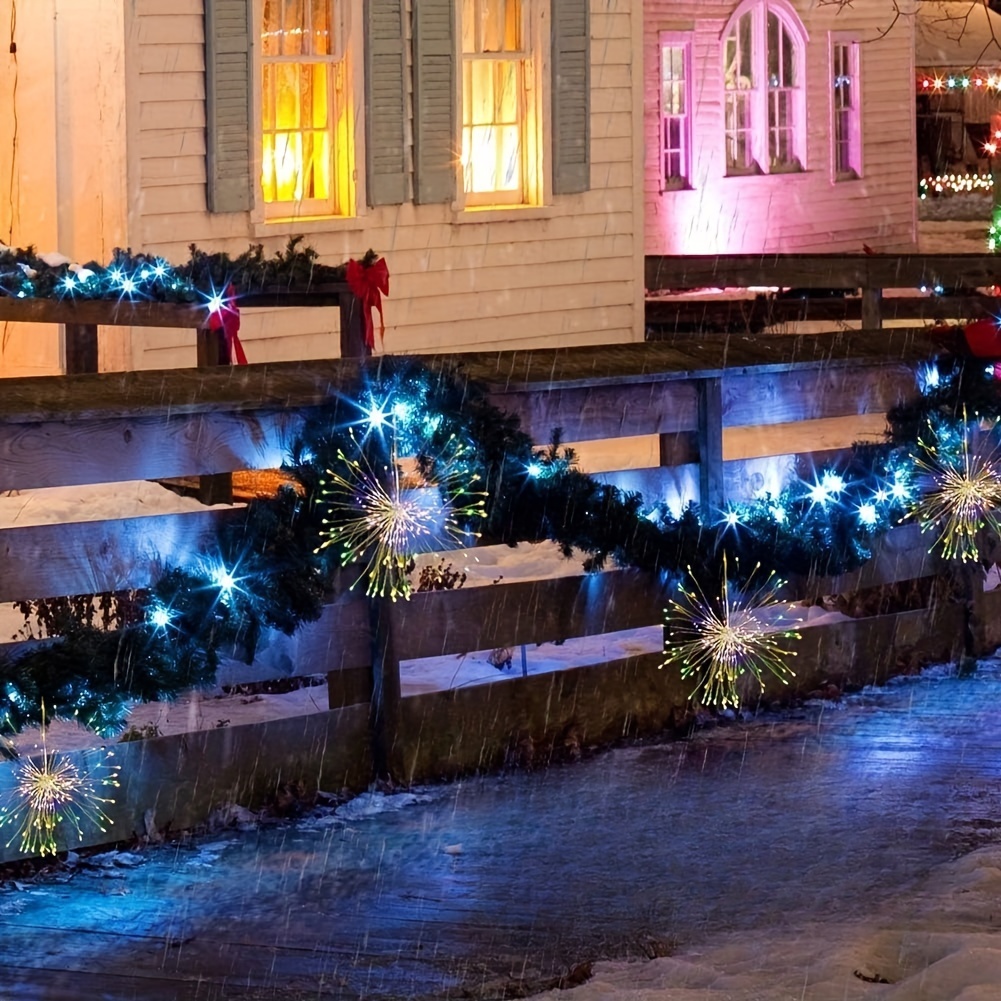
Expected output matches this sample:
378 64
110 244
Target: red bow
227 319
370 283
983 338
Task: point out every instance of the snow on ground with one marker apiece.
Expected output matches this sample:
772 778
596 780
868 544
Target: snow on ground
938 942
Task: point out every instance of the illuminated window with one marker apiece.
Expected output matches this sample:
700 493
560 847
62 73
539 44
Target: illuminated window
764 100
306 153
675 109
847 110
499 148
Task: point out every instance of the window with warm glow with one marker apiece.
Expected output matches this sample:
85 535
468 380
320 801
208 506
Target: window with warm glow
305 164
847 110
499 150
764 98
675 109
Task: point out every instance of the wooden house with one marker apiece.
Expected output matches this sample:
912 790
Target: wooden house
778 126
486 150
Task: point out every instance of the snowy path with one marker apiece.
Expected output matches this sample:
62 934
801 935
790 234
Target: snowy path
771 860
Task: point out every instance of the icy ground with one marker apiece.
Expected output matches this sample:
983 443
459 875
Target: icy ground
805 857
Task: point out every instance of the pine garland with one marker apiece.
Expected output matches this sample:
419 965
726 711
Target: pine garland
26 274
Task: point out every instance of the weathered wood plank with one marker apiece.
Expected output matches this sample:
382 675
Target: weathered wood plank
41 561
821 271
61 453
665 316
437 623
586 413
299 384
753 397
182 442
104 312
481 618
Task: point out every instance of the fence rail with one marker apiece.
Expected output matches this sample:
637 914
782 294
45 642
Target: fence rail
871 274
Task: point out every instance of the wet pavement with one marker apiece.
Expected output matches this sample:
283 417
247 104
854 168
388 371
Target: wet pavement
499 886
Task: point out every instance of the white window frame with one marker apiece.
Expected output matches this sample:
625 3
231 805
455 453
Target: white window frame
852 43
676 40
531 99
341 126
760 92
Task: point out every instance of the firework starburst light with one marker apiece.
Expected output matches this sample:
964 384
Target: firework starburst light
718 639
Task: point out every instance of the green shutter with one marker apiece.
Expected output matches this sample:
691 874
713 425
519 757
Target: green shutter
227 104
435 133
385 108
571 96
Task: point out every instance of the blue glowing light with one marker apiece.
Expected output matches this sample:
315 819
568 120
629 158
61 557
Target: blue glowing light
534 469
69 283
401 410
818 494
159 269
216 302
929 377
376 416
115 274
867 514
899 490
881 496
159 617
832 482
128 286
223 580
778 513
732 518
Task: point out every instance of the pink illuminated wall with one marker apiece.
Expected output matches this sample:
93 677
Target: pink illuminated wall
813 209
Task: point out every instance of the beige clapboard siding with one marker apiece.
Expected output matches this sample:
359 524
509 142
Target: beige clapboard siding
565 274
805 211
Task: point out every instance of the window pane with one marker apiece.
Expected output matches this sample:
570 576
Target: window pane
491 134
500 25
788 60
774 52
745 28
469 25
270 25
321 36
292 27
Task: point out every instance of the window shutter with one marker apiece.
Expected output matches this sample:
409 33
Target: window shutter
227 104
571 89
385 108
435 134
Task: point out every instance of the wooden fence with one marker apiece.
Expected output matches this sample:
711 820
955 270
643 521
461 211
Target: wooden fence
712 404
953 286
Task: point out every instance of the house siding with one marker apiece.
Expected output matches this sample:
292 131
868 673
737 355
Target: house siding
786 213
566 274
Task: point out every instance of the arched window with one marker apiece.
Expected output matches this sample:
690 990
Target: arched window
764 46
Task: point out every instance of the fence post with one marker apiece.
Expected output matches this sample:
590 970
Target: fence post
214 488
353 327
385 709
81 348
872 314
710 442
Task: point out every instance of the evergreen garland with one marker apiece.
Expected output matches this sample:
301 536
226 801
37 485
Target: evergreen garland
26 274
